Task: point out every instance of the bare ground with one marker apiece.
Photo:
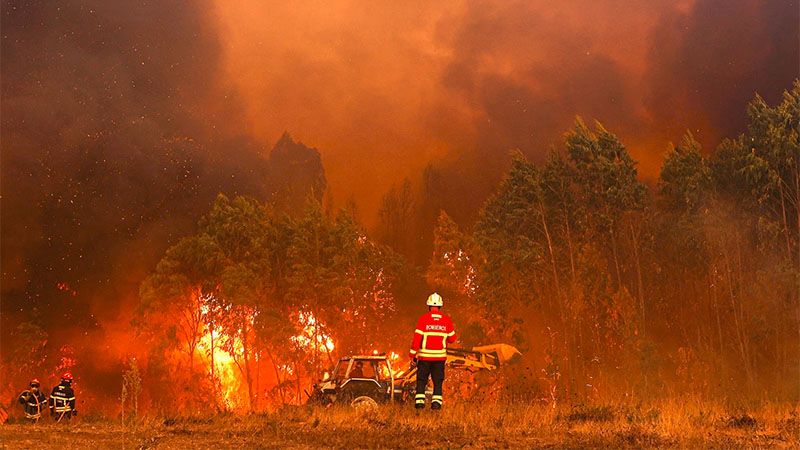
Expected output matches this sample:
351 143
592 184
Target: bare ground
469 425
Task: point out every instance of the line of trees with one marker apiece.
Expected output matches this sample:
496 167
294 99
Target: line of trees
609 287
613 288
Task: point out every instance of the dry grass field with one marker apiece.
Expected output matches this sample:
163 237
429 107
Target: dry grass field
465 425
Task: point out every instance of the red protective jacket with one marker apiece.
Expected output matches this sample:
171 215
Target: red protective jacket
434 331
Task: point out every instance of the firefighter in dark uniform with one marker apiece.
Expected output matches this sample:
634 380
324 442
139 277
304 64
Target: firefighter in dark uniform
62 400
33 401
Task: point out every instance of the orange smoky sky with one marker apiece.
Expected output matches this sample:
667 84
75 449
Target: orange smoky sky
383 88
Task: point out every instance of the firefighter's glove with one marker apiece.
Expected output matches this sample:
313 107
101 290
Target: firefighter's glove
413 363
74 412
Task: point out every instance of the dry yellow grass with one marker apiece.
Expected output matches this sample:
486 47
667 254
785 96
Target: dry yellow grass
463 425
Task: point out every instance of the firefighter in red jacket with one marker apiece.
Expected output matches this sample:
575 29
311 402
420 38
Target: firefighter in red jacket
428 351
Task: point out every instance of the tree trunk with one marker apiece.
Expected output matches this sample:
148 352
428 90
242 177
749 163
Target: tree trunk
318 353
736 321
559 297
577 368
247 375
257 357
277 375
214 364
299 388
192 317
569 244
716 305
785 221
551 251
639 283
616 257
741 282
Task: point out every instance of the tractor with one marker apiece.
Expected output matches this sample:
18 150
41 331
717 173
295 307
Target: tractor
369 380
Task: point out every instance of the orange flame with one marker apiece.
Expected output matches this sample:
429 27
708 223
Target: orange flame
312 330
221 364
224 368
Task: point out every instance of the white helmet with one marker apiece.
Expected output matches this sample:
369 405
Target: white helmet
435 300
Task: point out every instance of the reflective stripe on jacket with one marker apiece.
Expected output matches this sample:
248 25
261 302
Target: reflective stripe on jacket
62 399
434 331
33 403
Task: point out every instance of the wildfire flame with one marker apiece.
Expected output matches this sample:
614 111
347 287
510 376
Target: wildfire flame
312 330
460 258
221 363
67 361
222 367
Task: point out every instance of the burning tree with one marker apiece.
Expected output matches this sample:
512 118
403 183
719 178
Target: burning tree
171 311
178 290
254 286
209 284
453 272
341 282
242 230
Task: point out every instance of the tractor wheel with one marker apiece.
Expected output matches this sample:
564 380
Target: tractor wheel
364 403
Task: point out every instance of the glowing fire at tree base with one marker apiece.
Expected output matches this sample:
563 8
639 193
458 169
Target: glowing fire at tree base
225 367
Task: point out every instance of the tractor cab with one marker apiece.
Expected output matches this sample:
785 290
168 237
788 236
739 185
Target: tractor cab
358 379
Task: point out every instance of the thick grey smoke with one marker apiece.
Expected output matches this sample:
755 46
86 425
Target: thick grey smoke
109 153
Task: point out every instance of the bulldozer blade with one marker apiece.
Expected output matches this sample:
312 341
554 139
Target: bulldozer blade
505 353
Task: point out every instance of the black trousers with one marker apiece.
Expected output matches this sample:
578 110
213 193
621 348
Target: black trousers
435 371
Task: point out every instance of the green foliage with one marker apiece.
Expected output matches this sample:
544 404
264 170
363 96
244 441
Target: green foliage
509 233
604 172
455 256
685 178
760 171
685 186
338 274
